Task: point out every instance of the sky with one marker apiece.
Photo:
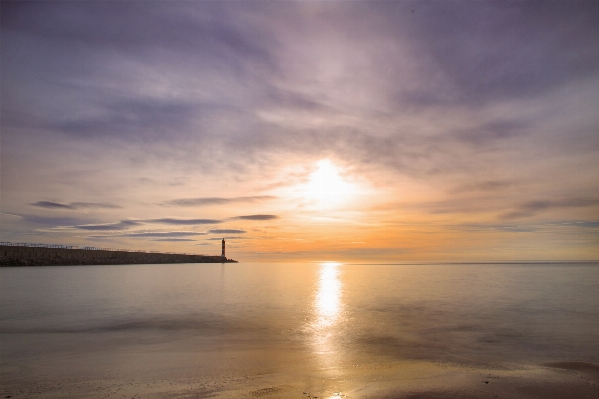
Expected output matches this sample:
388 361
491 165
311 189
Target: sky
384 131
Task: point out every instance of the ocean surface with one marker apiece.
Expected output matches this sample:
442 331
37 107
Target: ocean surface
222 323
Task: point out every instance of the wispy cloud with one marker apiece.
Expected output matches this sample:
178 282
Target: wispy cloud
510 228
186 222
227 238
51 221
126 117
152 234
256 217
531 208
163 234
127 224
174 239
74 205
215 200
226 231
122 225
482 186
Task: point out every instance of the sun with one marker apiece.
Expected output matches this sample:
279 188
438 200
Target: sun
326 188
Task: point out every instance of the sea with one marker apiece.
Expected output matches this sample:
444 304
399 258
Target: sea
220 326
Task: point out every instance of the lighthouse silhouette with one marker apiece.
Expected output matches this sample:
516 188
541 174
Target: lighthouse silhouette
223 254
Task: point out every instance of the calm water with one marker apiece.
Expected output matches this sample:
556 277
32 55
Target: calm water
213 320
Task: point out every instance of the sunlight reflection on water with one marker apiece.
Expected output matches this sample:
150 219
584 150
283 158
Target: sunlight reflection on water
328 310
328 298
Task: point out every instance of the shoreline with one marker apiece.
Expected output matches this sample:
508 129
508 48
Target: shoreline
393 380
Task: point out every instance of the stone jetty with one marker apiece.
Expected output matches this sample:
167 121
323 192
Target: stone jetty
59 255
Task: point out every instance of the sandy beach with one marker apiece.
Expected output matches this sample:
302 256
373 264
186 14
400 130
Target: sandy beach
394 380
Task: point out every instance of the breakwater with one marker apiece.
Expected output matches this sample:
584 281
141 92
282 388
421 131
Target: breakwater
59 255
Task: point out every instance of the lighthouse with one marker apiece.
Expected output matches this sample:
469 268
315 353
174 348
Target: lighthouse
223 254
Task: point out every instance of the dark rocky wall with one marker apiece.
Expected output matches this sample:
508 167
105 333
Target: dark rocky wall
42 256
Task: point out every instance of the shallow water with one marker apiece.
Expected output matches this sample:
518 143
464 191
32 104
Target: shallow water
217 322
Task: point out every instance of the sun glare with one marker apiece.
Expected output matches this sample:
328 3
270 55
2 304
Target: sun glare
326 187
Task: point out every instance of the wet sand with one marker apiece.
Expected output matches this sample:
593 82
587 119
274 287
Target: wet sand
394 380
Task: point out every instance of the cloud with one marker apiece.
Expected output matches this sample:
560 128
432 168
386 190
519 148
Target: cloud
215 200
153 234
228 238
240 77
184 222
52 205
132 37
174 239
53 221
531 208
563 226
565 203
479 227
519 62
482 186
127 224
122 225
164 234
256 217
122 119
226 231
74 205
492 131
